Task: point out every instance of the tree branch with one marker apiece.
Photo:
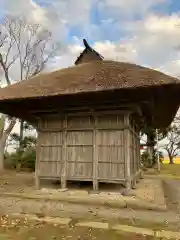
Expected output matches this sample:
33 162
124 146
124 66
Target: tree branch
10 126
4 69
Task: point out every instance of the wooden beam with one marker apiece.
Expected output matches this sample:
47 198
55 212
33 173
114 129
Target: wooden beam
97 110
87 106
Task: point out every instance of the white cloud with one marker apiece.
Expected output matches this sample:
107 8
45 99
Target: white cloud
48 18
116 51
163 24
28 7
171 68
67 12
156 39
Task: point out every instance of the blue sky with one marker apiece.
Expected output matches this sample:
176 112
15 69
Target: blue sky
173 6
144 32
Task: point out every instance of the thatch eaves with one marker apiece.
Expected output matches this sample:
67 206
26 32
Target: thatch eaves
86 78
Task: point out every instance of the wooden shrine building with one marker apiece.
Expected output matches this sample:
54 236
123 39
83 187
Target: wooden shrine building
88 117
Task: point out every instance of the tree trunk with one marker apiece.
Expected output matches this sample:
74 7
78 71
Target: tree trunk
18 166
2 148
21 134
171 160
4 133
150 149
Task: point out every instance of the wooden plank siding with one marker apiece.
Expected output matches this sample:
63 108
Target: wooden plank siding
50 154
89 147
110 147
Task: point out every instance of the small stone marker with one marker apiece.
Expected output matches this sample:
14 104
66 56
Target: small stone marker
168 234
131 229
98 225
56 220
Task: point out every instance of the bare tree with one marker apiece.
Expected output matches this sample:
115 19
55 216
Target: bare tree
27 48
149 138
172 142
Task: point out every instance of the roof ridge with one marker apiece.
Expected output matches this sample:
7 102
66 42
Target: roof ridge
88 49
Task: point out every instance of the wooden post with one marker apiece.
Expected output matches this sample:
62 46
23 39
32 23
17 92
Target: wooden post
37 180
64 155
157 144
127 153
95 157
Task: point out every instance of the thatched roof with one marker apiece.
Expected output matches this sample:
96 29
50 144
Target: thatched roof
88 54
86 78
94 83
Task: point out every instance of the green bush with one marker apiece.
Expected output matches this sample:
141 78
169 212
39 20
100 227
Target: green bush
145 158
28 159
25 159
25 155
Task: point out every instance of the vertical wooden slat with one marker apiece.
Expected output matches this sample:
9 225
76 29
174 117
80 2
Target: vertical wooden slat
38 146
127 152
64 154
95 157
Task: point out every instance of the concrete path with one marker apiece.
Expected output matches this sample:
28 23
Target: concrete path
82 211
105 226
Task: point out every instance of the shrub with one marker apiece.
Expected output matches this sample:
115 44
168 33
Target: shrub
21 159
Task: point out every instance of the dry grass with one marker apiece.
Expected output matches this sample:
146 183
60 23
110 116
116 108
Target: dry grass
167 170
171 169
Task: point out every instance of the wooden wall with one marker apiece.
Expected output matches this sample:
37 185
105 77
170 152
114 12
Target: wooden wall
89 147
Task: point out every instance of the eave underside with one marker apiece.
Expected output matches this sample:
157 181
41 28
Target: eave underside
158 105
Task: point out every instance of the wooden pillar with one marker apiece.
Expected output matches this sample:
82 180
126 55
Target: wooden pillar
127 153
135 168
38 148
64 154
138 159
95 157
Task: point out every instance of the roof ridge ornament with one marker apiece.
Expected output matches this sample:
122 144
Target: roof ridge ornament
86 44
88 54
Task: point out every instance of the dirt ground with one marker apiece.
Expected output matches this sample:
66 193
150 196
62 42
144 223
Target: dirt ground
149 190
24 182
11 181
